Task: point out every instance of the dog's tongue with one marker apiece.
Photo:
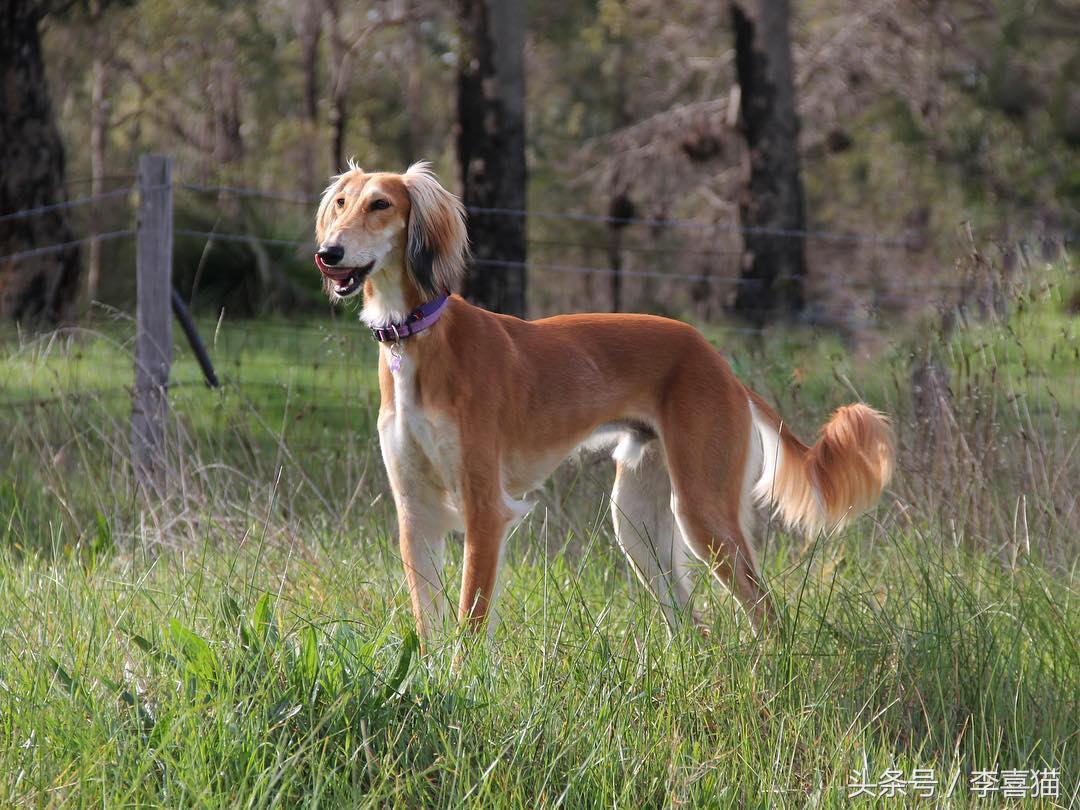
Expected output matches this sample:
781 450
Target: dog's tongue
329 272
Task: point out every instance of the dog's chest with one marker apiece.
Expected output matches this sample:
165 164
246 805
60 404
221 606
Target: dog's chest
421 445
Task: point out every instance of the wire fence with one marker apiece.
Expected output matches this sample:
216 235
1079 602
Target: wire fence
243 237
575 216
91 201
298 197
891 291
908 240
67 204
61 246
284 374
698 224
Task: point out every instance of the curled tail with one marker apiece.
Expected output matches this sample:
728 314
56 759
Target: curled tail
824 485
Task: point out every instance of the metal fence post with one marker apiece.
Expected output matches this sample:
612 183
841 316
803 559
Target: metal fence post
153 320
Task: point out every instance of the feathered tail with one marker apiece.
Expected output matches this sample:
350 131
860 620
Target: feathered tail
826 484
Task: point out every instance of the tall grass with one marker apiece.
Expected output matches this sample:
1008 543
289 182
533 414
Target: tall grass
256 676
244 639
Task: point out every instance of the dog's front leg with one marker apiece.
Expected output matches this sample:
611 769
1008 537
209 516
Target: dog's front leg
422 541
488 520
484 537
422 554
424 520
423 524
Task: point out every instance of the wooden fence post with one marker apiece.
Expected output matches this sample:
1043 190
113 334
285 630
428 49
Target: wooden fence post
153 320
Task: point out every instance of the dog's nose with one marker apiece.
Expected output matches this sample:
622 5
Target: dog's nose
331 254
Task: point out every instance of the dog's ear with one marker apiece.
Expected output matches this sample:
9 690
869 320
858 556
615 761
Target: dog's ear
438 243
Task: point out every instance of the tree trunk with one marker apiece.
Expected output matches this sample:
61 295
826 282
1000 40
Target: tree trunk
620 208
772 206
310 34
43 287
338 86
414 84
227 116
614 248
491 147
99 125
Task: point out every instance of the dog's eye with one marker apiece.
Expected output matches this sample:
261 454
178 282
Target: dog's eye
379 205
340 202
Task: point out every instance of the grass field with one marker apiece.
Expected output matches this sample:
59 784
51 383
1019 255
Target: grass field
245 640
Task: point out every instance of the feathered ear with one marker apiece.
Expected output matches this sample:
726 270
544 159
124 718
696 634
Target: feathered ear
438 242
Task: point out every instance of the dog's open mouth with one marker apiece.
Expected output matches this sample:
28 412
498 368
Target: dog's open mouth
344 280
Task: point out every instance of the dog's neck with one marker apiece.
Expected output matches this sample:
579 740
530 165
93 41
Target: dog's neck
389 293
385 301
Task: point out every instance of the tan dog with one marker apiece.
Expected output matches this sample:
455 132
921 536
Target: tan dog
477 409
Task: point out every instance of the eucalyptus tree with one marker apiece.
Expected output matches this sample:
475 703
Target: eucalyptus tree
42 287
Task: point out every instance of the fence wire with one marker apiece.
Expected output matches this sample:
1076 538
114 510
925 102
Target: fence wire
888 292
699 224
238 191
572 216
66 204
59 246
240 237
907 241
557 268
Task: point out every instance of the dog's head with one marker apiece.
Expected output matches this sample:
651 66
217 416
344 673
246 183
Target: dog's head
387 231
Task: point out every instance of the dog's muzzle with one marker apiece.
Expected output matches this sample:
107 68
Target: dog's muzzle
346 280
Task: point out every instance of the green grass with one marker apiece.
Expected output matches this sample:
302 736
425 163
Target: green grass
287 369
252 674
246 641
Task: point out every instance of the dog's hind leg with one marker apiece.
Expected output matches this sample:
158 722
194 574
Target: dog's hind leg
711 464
645 528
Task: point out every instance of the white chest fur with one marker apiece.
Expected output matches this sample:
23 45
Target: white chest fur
421 449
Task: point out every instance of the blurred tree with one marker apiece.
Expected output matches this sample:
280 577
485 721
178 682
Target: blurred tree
363 45
44 287
310 32
340 58
491 147
99 135
912 116
774 264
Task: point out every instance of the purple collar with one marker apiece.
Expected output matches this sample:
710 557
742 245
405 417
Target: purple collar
421 318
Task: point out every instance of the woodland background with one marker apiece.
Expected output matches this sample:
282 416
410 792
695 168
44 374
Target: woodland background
924 128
